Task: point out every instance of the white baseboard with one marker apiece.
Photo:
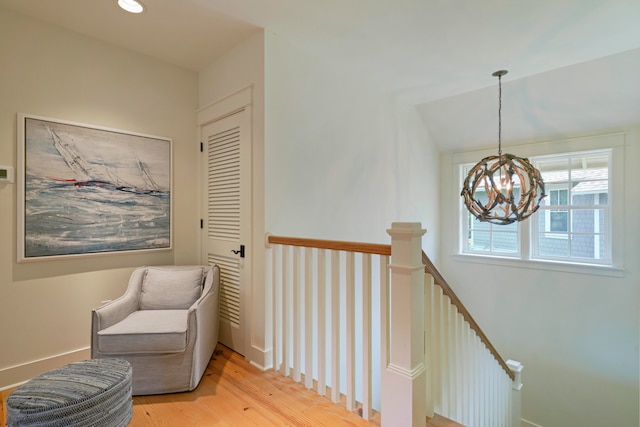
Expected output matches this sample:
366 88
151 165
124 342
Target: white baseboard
14 376
260 358
526 423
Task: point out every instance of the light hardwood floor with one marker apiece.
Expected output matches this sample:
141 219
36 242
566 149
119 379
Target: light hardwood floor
234 393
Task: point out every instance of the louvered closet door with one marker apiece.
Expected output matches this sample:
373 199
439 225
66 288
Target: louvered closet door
227 219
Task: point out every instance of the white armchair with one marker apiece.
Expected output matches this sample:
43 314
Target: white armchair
165 326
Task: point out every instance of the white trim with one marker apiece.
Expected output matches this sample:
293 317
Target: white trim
566 267
233 103
549 147
403 269
526 423
13 376
260 358
406 373
225 106
516 368
403 229
260 367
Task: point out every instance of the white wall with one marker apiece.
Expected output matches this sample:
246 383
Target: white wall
343 159
45 307
333 157
576 334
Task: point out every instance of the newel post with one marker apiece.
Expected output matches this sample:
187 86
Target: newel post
403 395
516 408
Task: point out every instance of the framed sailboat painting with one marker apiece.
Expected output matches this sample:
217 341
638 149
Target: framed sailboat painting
87 190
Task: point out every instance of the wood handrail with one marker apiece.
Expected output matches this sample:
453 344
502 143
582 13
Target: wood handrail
367 248
381 249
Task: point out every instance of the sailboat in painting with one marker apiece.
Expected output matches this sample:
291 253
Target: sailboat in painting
84 174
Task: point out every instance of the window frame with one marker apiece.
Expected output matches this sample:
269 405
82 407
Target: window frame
615 143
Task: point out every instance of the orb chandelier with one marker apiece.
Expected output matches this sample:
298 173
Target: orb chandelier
503 189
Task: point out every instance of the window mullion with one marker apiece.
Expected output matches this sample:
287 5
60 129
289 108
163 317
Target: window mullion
524 235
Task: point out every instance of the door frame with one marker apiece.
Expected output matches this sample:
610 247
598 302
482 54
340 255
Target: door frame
227 106
259 351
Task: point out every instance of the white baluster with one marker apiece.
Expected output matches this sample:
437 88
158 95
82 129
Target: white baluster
367 411
499 399
438 367
384 313
473 414
279 292
308 319
504 397
455 363
430 346
446 355
466 373
479 393
494 393
297 303
286 312
321 296
335 326
350 373
276 307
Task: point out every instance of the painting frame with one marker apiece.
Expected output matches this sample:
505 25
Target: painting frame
90 190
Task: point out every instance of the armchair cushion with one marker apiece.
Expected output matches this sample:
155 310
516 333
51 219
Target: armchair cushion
146 331
171 288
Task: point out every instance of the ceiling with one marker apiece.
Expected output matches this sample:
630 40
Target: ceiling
432 53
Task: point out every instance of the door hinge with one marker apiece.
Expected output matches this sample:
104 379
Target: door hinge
202 147
201 223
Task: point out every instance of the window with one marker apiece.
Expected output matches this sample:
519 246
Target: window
573 220
573 223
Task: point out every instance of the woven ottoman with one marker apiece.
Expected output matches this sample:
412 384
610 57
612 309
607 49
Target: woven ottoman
94 392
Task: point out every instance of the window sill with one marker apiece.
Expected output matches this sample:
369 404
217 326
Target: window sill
565 267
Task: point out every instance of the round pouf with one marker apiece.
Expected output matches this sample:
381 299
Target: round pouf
93 392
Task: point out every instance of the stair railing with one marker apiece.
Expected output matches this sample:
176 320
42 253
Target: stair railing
330 307
318 288
469 382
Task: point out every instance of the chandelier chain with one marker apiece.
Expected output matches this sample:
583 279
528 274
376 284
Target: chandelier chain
500 115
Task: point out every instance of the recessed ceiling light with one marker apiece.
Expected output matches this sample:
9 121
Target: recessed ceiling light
132 6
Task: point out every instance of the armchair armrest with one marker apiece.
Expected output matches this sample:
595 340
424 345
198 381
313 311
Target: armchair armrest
203 314
113 312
